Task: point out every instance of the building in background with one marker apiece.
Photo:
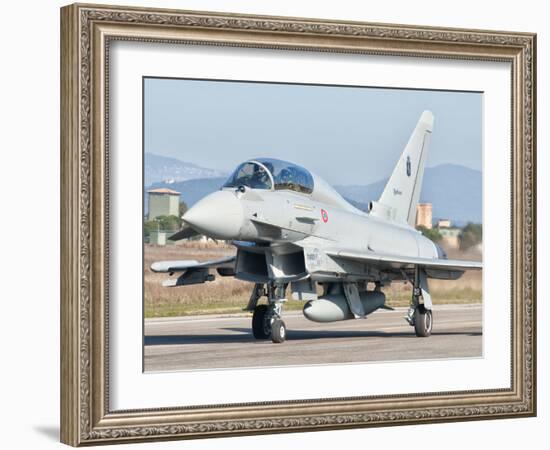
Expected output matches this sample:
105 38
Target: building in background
157 238
450 236
163 202
424 215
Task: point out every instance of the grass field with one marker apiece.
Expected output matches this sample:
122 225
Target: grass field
228 295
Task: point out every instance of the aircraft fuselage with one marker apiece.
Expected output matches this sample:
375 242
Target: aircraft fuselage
274 220
294 232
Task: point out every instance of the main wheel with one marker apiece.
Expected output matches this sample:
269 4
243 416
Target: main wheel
423 321
278 331
261 322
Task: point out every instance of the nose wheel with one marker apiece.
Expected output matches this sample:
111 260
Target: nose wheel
278 331
261 322
266 319
266 325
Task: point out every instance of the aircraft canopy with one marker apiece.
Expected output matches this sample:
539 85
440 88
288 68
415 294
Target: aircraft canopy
268 173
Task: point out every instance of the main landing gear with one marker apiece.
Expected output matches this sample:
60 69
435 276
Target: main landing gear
266 319
420 312
423 321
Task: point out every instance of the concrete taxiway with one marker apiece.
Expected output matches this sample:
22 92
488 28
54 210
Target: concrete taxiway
215 342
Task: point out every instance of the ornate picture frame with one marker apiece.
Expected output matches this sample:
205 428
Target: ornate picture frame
86 34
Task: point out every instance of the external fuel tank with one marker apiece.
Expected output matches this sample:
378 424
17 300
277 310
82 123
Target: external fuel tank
334 307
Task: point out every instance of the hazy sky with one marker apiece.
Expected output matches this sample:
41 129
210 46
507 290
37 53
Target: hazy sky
347 135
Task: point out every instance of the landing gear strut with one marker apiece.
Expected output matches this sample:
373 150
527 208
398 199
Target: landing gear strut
420 312
266 319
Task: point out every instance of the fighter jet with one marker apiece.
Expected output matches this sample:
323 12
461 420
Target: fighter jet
294 234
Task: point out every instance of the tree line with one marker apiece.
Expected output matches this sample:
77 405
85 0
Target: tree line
470 235
164 223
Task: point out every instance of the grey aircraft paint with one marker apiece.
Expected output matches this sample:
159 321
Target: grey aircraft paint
293 232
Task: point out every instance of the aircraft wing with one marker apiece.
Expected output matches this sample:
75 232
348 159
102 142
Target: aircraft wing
405 262
186 265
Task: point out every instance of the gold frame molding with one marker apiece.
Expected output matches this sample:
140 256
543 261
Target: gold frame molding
86 31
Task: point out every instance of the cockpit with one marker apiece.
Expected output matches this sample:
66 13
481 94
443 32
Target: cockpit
267 173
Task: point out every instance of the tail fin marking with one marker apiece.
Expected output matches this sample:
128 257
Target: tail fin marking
402 192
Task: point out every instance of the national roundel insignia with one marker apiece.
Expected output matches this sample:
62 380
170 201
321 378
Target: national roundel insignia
324 215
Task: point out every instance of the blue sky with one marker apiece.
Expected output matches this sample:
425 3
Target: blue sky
347 135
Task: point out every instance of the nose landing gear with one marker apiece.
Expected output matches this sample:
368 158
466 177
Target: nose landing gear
278 331
261 322
266 319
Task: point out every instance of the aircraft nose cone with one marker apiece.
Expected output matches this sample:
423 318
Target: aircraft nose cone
219 215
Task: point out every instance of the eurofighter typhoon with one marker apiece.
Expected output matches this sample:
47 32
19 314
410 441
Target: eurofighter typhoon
295 235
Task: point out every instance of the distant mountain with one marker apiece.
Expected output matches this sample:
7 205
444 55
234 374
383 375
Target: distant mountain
163 169
454 191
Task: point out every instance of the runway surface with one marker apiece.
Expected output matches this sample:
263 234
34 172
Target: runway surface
214 342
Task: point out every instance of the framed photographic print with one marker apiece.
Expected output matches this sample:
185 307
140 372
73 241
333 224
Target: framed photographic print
276 224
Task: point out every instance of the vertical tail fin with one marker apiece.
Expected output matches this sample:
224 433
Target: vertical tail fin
402 192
